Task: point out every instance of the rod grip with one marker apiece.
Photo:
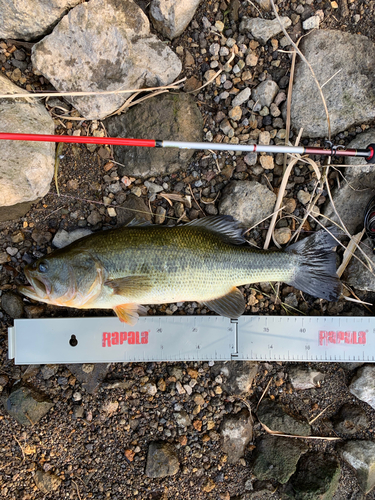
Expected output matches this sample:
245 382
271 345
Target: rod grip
371 158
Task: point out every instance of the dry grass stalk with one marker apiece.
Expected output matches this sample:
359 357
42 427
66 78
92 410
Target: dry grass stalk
213 78
255 7
208 201
101 92
319 414
350 249
192 194
288 104
79 496
268 216
357 301
342 224
332 77
19 444
264 393
280 434
186 200
367 266
279 199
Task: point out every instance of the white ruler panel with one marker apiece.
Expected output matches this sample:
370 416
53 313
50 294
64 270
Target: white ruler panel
309 338
99 340
192 338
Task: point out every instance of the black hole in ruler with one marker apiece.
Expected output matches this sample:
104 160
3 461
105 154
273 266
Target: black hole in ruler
73 341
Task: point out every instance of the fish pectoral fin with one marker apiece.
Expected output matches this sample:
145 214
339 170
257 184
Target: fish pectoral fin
129 313
231 305
130 286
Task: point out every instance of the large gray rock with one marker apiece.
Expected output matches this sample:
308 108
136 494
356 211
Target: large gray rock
277 457
89 375
162 460
361 456
171 117
26 168
350 95
239 376
27 405
350 420
263 29
170 17
363 385
356 274
317 477
12 304
275 418
247 201
236 432
351 197
30 19
46 481
104 45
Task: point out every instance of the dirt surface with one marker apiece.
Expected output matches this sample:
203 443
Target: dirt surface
97 444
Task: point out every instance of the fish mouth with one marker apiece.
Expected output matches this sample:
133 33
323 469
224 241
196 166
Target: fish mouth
38 289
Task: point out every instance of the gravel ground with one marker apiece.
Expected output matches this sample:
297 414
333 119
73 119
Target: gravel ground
96 443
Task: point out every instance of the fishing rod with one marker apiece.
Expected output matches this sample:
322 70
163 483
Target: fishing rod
335 151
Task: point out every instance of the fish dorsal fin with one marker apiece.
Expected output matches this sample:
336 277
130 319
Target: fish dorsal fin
231 305
129 313
130 286
223 225
138 223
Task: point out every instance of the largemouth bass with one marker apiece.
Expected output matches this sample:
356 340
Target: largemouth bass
204 261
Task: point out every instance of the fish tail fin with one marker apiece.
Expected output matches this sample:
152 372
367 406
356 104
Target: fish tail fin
316 270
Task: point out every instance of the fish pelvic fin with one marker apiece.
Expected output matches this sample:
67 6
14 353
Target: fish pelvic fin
129 313
316 270
231 305
130 286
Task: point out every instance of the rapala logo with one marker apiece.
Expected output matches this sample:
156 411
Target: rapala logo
119 338
337 337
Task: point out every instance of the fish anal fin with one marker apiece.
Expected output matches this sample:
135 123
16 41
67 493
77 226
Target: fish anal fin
130 286
129 313
231 305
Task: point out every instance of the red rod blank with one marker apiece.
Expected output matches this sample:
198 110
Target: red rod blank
116 141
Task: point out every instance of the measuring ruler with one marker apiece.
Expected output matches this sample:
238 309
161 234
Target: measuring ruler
192 338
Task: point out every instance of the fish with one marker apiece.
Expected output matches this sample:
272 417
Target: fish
205 261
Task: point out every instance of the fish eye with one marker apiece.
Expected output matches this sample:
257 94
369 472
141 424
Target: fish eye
43 267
